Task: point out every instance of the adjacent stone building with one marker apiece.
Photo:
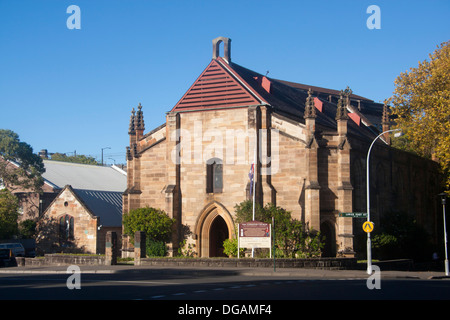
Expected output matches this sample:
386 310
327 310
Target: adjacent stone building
310 158
83 210
31 202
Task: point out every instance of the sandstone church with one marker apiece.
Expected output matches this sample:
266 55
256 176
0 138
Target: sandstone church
308 145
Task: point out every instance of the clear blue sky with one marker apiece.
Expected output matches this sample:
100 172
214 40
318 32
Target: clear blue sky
66 90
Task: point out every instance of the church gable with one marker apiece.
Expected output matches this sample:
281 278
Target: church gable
67 224
216 88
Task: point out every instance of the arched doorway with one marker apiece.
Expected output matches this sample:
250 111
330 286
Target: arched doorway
217 235
327 232
214 225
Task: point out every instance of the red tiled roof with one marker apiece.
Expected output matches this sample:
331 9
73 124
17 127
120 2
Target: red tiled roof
229 85
216 87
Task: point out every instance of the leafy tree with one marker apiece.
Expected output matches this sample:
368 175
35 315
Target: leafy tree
291 238
27 228
244 212
9 206
156 225
75 159
28 174
421 103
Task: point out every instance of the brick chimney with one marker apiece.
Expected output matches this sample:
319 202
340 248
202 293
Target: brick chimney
43 154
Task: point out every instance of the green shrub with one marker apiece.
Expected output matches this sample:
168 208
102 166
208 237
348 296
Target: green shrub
230 248
385 246
400 236
186 251
156 225
156 248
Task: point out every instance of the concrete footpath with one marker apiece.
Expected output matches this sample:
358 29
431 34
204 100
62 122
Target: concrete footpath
222 271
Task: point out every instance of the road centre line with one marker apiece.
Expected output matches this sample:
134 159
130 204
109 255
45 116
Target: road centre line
232 287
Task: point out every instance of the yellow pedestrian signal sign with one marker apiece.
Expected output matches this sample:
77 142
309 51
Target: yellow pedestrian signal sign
367 226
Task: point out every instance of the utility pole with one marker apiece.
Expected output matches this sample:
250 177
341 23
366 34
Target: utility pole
443 196
102 152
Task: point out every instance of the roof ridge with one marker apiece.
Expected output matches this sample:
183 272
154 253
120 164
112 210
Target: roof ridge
75 164
84 176
317 88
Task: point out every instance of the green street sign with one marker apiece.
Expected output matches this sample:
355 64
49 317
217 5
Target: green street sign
353 214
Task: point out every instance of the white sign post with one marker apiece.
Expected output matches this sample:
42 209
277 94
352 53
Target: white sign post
254 234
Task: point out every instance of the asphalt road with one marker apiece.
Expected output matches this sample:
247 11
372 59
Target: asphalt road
213 294
224 286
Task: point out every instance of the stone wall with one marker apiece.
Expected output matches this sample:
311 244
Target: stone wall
319 263
61 260
290 178
399 182
152 178
110 245
223 135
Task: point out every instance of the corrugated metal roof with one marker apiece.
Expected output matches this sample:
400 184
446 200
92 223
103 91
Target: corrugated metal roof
104 204
84 177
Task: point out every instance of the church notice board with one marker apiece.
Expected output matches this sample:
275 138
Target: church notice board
254 234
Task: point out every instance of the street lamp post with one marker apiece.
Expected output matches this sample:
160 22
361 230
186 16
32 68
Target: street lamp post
102 152
443 198
369 244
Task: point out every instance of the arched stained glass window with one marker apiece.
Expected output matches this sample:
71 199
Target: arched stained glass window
66 227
